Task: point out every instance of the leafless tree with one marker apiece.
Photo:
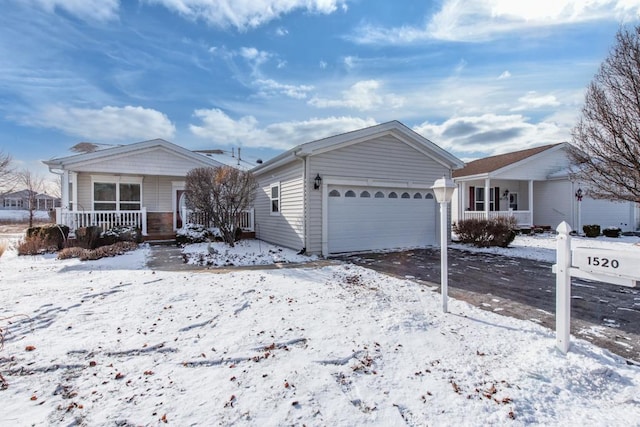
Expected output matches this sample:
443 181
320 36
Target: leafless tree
7 174
607 137
33 184
221 194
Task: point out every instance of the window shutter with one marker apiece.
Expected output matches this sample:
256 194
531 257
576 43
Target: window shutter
472 198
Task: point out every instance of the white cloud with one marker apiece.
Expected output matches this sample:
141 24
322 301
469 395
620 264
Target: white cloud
534 100
505 75
269 87
106 124
281 31
481 20
254 55
219 128
98 10
323 65
363 95
492 133
244 14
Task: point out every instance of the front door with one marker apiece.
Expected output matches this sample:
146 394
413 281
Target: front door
181 205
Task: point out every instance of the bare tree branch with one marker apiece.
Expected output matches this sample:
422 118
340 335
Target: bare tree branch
34 184
221 194
7 174
606 139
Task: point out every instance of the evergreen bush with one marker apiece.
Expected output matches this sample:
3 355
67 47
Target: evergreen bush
592 230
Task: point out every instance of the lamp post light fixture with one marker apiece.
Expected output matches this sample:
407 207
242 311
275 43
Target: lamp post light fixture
443 190
317 181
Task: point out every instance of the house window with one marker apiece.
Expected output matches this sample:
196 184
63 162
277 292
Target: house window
479 199
275 199
116 195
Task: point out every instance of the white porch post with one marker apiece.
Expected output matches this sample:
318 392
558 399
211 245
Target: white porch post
144 220
487 198
462 200
65 190
531 200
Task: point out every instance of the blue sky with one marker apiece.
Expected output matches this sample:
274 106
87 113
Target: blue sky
477 77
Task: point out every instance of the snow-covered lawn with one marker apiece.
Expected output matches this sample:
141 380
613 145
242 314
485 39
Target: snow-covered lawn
542 247
110 342
245 252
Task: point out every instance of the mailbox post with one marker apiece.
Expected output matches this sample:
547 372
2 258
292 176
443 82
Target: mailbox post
603 265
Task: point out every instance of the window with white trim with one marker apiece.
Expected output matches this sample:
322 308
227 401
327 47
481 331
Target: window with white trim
274 196
114 193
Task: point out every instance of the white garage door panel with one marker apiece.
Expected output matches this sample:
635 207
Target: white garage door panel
359 223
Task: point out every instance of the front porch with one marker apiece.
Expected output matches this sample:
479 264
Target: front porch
152 225
496 198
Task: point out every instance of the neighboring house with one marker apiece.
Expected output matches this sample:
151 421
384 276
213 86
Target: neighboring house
363 190
22 200
534 187
139 184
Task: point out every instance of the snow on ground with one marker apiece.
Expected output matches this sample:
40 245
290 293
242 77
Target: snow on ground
111 342
245 252
19 215
542 247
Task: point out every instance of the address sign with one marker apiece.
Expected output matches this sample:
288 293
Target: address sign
607 261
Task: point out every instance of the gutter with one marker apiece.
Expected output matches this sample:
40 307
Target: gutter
305 200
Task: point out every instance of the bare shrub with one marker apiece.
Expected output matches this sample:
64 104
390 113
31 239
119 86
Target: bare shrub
83 254
485 233
220 194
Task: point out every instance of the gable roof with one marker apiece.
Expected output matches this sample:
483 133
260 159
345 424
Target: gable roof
490 164
130 149
395 128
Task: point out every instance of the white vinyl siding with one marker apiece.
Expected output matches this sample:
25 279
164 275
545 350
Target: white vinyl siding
606 213
149 161
553 203
383 159
286 229
538 167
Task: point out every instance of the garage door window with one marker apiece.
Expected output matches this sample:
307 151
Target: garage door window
406 195
350 193
429 196
275 198
417 196
365 194
379 195
334 193
393 195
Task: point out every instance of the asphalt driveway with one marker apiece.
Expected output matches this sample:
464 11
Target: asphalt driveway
605 314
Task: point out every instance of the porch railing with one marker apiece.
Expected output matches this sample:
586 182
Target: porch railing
523 218
104 219
245 219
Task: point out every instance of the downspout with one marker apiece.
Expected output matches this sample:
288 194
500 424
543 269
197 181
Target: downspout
305 201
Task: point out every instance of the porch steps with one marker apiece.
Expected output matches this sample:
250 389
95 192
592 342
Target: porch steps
160 239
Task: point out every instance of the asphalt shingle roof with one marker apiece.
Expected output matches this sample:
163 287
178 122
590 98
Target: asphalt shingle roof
493 163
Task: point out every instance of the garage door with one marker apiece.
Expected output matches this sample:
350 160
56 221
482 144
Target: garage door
369 218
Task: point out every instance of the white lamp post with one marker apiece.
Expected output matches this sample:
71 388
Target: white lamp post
443 190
